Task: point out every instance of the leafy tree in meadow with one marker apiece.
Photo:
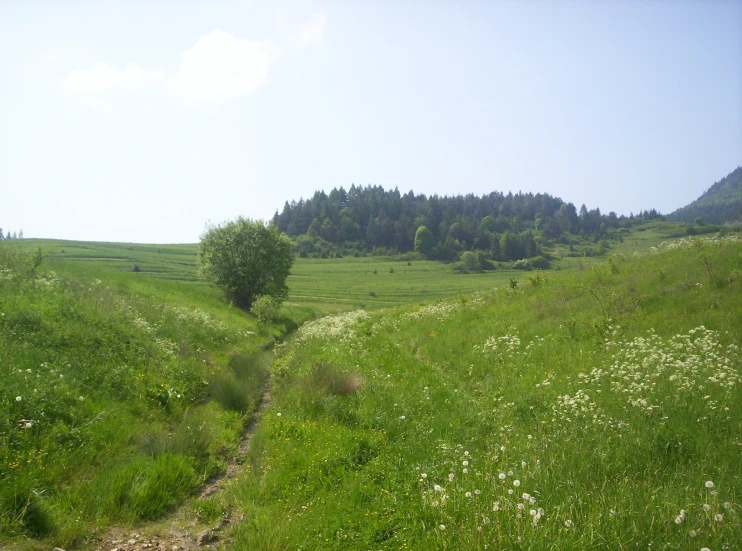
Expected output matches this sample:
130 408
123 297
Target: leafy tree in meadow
424 241
246 259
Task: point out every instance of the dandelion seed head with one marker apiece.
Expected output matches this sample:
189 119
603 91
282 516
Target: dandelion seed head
718 517
442 527
18 398
706 507
521 506
568 523
465 471
501 476
709 484
516 483
468 494
465 463
424 475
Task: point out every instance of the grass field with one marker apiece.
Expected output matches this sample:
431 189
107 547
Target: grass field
326 285
609 390
590 410
119 395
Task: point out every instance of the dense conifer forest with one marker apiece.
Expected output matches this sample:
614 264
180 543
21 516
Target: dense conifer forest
505 227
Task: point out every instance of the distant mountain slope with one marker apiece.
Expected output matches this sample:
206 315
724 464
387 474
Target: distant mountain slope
720 204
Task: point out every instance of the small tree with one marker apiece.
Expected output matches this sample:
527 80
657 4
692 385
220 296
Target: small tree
424 241
246 259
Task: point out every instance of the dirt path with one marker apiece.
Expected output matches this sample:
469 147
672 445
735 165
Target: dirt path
181 530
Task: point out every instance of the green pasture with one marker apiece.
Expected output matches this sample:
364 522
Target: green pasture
326 285
371 283
589 409
123 390
333 284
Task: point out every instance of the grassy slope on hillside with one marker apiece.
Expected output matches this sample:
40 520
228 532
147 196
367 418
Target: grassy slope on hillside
328 285
119 395
595 410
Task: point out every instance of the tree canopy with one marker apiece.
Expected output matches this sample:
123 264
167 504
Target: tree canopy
246 259
371 219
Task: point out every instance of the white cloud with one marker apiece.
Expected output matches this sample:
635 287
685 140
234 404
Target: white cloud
220 66
311 32
102 77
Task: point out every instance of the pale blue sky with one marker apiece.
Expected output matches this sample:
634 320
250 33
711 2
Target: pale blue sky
142 120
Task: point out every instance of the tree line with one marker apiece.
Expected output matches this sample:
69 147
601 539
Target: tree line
14 235
505 226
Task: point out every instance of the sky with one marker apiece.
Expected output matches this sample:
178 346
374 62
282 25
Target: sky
143 121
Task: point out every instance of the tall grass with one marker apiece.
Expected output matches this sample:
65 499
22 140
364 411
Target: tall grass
106 411
593 410
240 387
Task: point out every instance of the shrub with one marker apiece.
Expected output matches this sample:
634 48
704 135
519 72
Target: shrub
266 308
537 262
246 259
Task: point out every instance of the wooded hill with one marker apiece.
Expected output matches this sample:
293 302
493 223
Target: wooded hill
505 227
720 204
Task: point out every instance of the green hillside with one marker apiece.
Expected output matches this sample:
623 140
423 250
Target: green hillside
590 410
720 204
608 390
119 395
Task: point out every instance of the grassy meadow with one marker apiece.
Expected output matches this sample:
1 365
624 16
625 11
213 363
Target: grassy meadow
119 395
324 285
591 407
585 410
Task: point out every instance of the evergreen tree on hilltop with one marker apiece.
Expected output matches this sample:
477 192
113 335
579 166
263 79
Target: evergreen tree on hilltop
370 218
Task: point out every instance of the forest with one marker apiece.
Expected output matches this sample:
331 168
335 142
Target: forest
505 227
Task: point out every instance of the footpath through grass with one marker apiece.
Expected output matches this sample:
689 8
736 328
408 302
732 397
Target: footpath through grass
119 395
593 410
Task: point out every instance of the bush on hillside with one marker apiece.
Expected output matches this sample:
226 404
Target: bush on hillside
246 259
